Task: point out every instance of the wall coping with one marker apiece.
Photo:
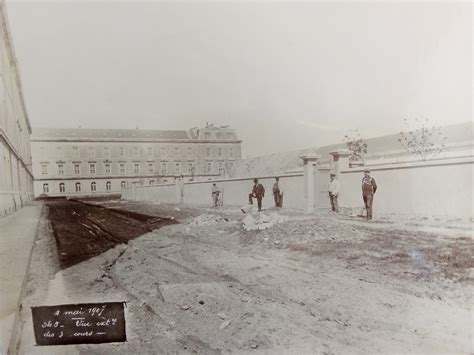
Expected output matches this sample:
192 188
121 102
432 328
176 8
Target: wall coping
223 180
412 164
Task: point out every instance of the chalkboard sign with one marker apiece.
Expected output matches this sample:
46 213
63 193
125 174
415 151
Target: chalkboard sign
85 323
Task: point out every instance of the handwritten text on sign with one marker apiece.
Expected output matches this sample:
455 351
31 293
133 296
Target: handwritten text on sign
86 323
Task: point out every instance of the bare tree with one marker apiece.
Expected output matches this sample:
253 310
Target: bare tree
425 141
356 144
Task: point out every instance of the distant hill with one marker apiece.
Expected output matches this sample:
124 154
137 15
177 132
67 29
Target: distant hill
278 163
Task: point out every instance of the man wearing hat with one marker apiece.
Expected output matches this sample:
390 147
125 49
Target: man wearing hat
333 189
278 192
258 192
368 190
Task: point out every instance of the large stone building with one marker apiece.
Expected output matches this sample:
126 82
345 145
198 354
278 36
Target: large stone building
16 179
102 161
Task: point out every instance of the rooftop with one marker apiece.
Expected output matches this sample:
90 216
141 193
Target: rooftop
104 134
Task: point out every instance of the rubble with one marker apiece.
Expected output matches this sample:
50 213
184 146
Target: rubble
262 221
248 209
207 220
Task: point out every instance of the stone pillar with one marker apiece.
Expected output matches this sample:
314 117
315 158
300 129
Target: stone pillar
310 168
340 159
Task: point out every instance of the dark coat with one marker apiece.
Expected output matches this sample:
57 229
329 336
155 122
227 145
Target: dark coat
369 186
258 190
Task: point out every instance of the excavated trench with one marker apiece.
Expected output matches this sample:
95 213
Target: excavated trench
83 230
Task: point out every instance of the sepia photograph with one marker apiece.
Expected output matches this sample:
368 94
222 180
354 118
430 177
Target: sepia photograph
236 177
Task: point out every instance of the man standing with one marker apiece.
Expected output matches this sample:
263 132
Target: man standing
258 192
215 194
368 190
278 193
333 189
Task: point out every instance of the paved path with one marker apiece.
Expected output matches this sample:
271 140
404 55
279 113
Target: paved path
17 235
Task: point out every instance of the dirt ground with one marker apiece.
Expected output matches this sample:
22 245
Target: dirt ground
85 230
319 283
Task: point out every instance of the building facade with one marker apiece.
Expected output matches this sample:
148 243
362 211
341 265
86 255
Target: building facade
81 162
16 178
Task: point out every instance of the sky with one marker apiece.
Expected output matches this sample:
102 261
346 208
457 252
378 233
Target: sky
285 75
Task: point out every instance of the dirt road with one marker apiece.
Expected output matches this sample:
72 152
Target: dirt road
317 284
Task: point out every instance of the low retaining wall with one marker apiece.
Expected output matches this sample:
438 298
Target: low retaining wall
235 191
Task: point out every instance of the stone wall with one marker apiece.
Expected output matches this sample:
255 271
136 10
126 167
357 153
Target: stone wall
441 186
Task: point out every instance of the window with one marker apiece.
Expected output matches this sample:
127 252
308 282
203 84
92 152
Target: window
208 152
208 167
221 168
163 153
60 152
77 169
231 152
150 151
177 167
107 168
137 168
106 152
122 152
219 152
75 152
151 168
108 186
44 169
136 152
151 182
207 135
190 152
62 187
219 135
45 188
176 152
92 168
60 169
231 165
122 169
191 168
91 152
163 168
78 187
123 184
93 186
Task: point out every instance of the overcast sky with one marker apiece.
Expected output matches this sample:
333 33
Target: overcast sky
285 75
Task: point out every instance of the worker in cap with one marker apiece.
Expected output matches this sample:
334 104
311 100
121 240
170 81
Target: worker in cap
333 191
369 186
258 192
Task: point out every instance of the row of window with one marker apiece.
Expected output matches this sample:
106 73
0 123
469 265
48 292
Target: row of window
135 152
136 168
219 135
62 186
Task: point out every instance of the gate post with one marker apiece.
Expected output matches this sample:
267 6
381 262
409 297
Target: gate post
310 169
340 160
